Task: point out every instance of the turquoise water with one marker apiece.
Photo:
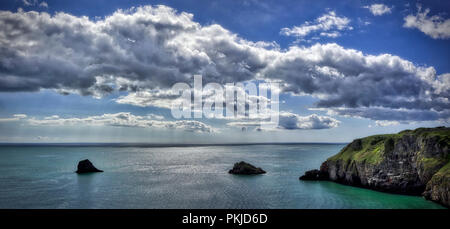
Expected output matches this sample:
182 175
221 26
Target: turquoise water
179 177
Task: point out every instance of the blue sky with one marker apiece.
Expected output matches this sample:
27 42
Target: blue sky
399 44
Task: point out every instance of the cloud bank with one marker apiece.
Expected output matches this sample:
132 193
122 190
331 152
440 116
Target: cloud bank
15 117
291 121
143 51
121 119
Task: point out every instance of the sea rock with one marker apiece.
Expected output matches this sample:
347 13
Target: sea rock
85 166
412 162
244 168
314 174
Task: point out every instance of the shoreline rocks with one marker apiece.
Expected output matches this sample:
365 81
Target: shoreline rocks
243 168
86 166
411 162
314 174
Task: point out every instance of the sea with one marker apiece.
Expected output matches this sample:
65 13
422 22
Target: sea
146 176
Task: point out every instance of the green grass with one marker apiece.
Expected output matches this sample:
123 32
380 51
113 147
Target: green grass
442 136
444 171
373 148
442 176
430 163
428 132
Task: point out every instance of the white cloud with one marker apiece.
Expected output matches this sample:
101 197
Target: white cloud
164 98
434 26
16 117
121 119
34 3
156 98
43 138
20 116
379 9
331 34
388 114
27 2
74 54
294 121
154 116
43 4
384 123
346 78
168 47
291 121
327 22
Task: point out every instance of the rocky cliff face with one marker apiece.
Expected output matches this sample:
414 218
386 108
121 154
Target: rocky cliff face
412 162
438 188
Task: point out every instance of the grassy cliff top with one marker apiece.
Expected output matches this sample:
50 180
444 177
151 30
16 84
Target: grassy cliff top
428 132
371 149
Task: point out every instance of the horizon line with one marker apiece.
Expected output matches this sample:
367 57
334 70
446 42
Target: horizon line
142 144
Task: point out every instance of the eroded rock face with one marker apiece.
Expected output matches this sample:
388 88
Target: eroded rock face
438 188
314 174
244 168
85 166
402 163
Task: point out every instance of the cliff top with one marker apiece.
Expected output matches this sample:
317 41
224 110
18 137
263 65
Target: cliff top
372 149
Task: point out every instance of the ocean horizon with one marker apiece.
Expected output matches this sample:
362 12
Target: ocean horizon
185 177
144 144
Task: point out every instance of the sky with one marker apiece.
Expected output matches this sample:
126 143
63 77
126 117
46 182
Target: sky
102 71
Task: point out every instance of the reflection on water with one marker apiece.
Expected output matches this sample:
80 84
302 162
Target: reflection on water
179 177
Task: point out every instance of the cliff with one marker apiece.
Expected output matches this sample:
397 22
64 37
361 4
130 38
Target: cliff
413 162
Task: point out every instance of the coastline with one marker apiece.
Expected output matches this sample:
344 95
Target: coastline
411 162
180 177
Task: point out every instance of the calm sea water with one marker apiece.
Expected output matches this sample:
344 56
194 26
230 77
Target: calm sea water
179 177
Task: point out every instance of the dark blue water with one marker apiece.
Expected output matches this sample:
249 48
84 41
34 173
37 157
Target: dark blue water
179 177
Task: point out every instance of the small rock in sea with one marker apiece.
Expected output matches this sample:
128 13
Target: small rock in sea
244 168
314 174
85 166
